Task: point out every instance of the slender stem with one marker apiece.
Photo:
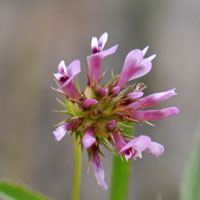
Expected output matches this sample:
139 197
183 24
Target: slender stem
77 170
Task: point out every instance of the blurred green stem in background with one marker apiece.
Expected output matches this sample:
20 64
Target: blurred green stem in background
121 171
77 170
191 182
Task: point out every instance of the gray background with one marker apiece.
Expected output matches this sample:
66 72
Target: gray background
36 35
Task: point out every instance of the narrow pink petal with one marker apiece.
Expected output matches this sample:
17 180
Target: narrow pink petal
70 90
134 66
144 51
88 138
73 68
102 40
152 100
60 132
134 95
94 63
98 170
62 67
139 143
119 141
58 76
88 103
152 115
94 45
155 149
150 58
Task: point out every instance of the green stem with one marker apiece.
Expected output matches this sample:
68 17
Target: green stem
77 170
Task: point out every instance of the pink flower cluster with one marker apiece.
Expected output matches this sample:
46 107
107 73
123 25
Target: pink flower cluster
96 114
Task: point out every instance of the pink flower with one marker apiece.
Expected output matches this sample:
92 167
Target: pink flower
95 60
99 114
89 138
60 132
98 169
134 148
151 100
153 115
135 66
65 76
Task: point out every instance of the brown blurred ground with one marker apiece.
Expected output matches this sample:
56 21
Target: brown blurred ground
36 35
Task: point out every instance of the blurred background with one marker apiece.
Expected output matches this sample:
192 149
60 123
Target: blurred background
36 35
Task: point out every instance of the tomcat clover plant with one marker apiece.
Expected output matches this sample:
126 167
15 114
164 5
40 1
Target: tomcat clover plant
96 114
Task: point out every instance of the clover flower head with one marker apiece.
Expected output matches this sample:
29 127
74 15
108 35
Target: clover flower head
96 115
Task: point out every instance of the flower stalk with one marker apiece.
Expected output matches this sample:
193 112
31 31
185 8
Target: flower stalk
77 170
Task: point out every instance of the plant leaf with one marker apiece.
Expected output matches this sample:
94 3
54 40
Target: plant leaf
121 170
12 191
191 183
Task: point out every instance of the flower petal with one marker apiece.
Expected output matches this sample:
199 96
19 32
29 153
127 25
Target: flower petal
144 51
88 103
139 143
152 100
155 149
98 169
119 141
88 138
70 90
62 67
134 66
152 115
60 132
94 45
102 41
130 69
73 68
134 95
94 63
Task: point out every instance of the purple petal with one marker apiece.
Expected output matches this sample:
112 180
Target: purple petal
62 67
98 169
102 92
60 132
152 100
73 68
155 149
88 103
144 51
150 58
94 45
102 41
94 63
59 77
134 95
134 67
139 143
119 141
88 138
70 90
152 115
